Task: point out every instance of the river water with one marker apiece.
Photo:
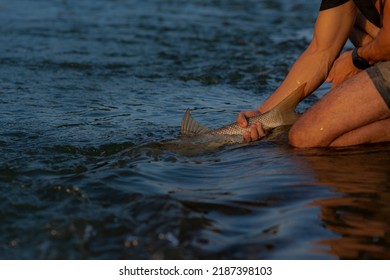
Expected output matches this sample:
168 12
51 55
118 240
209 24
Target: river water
91 89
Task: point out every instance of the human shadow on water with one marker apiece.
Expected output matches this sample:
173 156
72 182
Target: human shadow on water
359 213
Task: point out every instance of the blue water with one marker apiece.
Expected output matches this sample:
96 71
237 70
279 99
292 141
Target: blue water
91 90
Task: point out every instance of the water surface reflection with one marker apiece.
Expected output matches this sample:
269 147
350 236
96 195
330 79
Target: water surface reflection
360 211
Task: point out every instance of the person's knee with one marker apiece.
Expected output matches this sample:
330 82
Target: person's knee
296 137
304 135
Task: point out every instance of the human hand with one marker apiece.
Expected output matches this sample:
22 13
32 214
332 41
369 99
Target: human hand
255 133
342 69
242 118
256 130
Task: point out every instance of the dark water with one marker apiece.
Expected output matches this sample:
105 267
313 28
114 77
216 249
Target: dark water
89 88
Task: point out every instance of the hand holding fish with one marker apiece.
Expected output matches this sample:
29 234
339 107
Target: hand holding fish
242 118
256 133
256 130
282 114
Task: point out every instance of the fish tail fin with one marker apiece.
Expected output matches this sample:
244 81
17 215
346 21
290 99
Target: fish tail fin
191 127
286 108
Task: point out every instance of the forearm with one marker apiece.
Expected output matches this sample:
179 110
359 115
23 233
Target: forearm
379 48
312 68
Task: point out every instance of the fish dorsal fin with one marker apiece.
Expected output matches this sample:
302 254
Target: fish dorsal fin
286 108
191 127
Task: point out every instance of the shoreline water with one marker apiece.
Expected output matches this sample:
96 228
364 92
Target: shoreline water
85 86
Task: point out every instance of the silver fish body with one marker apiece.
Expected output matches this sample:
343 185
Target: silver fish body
268 121
281 115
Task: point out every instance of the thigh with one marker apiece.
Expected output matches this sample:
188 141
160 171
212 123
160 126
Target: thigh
353 104
375 132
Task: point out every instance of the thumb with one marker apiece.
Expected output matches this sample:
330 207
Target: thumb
241 119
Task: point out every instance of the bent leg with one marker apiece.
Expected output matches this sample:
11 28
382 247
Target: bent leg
344 117
372 133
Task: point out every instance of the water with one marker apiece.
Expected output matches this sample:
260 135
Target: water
89 92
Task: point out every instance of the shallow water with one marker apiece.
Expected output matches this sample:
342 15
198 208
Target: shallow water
89 92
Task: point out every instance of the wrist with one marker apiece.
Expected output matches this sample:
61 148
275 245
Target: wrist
359 61
366 53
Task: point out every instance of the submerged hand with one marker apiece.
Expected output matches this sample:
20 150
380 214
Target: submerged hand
256 130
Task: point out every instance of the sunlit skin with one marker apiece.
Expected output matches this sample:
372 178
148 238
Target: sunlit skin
353 112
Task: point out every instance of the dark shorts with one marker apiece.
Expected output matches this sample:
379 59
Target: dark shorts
380 76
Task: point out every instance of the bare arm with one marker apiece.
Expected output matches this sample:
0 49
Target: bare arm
379 48
331 31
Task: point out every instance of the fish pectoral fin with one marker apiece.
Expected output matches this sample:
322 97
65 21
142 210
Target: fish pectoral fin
191 127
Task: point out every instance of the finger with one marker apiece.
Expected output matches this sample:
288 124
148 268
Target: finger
330 77
254 133
260 130
247 137
335 83
241 120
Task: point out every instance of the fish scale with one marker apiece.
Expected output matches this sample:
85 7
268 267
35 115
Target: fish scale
267 120
282 114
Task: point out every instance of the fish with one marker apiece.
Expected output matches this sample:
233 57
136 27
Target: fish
283 114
